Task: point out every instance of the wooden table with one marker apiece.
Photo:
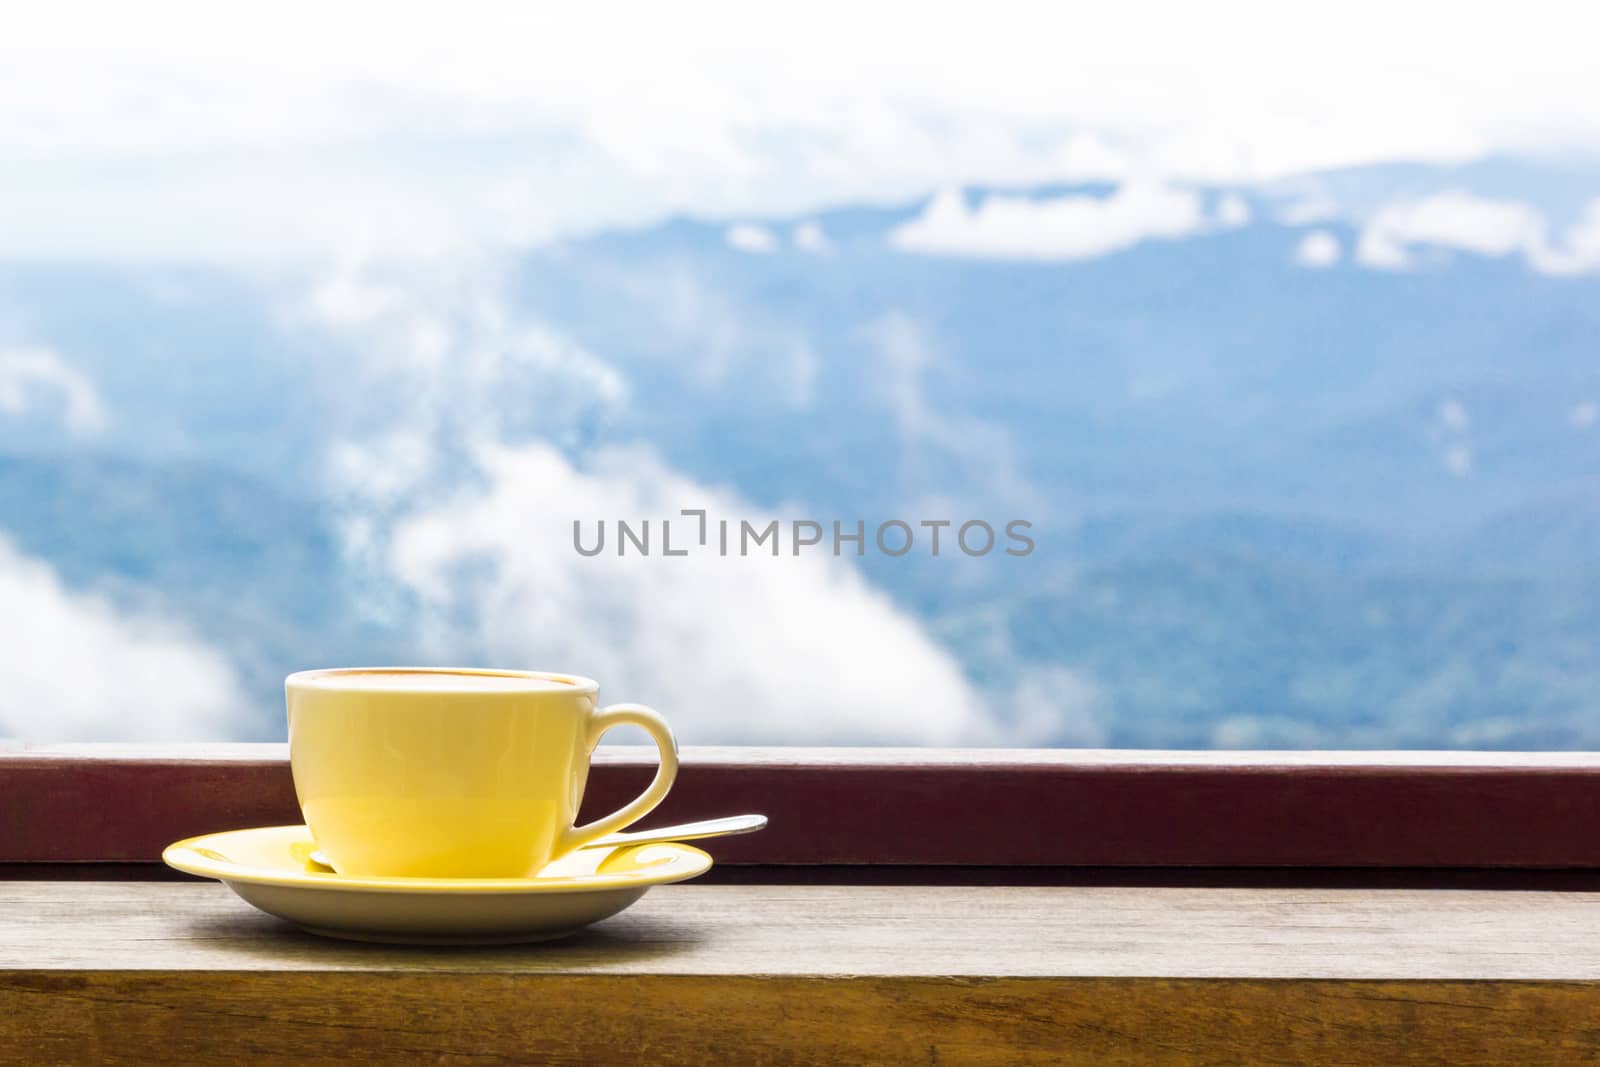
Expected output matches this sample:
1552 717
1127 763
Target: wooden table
139 972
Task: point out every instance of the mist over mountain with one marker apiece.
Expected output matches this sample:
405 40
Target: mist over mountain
1307 464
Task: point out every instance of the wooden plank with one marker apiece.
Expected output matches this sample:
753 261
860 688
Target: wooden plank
163 1017
123 804
963 931
130 973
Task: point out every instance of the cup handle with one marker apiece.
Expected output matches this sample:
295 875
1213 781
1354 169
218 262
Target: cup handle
644 803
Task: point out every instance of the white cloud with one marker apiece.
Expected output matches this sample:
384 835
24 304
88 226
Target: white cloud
748 237
1088 157
33 378
733 650
1233 210
938 447
797 372
1584 414
810 237
469 525
1452 423
351 298
1055 228
76 669
1308 210
1483 226
1056 706
442 362
1578 251
904 353
387 467
169 132
1453 415
434 363
711 338
697 320
1458 459
1319 248
1452 219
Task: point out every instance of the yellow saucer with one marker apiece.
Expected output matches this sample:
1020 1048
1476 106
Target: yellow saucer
271 868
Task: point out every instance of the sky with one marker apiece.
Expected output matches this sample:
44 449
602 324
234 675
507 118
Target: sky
169 131
373 165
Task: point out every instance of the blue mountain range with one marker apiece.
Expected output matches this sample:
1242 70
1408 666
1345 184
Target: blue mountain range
1274 505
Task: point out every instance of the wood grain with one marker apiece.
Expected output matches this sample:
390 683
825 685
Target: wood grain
164 1017
123 804
964 931
130 973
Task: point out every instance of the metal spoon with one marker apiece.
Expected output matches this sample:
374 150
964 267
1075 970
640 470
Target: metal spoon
688 831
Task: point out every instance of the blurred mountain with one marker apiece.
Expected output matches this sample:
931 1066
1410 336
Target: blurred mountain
1275 505
257 572
1188 374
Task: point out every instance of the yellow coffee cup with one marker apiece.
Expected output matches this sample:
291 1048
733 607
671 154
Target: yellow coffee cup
454 773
